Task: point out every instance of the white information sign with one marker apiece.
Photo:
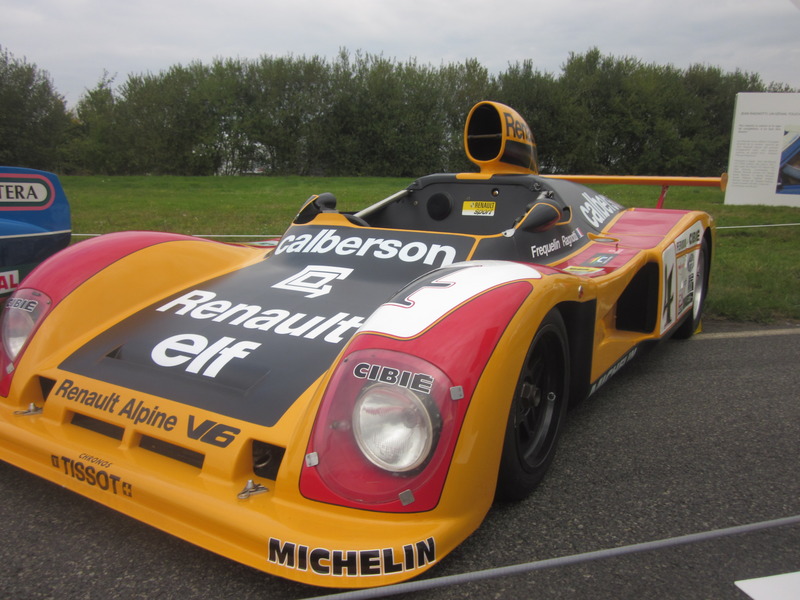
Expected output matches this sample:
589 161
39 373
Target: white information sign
777 587
764 163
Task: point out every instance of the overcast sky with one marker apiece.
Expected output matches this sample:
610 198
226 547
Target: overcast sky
76 41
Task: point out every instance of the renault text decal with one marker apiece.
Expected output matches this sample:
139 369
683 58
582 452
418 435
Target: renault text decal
140 412
202 304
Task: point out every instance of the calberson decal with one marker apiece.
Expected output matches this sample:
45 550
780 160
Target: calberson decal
351 563
329 241
598 209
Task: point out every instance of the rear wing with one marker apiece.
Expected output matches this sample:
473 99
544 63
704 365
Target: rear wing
664 182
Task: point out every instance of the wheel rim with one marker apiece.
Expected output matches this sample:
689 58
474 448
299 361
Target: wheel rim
537 402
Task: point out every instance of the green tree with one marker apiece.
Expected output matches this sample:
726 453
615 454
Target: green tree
97 147
33 117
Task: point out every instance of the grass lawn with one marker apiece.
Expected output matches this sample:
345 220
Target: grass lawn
755 273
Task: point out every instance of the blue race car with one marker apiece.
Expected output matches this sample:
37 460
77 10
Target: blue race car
34 222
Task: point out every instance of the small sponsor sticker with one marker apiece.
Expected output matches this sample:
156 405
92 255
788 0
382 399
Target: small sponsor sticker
474 208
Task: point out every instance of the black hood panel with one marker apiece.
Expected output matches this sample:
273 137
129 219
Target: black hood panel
247 344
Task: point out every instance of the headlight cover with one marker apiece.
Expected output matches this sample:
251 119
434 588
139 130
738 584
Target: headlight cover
24 310
393 427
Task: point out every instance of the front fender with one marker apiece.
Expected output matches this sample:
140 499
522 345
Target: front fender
433 340
93 284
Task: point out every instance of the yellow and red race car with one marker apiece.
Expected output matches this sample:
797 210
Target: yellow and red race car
343 408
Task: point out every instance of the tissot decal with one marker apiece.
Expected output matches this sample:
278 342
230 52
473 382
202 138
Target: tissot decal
91 475
352 563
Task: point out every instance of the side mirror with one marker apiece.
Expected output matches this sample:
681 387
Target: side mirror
325 202
541 217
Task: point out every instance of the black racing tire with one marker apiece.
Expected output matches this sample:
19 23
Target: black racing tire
537 411
692 321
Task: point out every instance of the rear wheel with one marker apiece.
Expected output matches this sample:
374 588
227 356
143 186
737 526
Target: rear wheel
692 321
537 411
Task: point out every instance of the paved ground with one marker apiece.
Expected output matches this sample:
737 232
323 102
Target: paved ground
692 437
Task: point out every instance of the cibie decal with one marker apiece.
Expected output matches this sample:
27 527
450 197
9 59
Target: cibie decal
352 563
314 280
418 382
690 237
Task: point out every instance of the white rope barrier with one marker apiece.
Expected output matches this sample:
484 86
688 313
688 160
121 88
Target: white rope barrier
276 235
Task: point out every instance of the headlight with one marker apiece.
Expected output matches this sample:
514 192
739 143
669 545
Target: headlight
24 310
383 433
393 428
